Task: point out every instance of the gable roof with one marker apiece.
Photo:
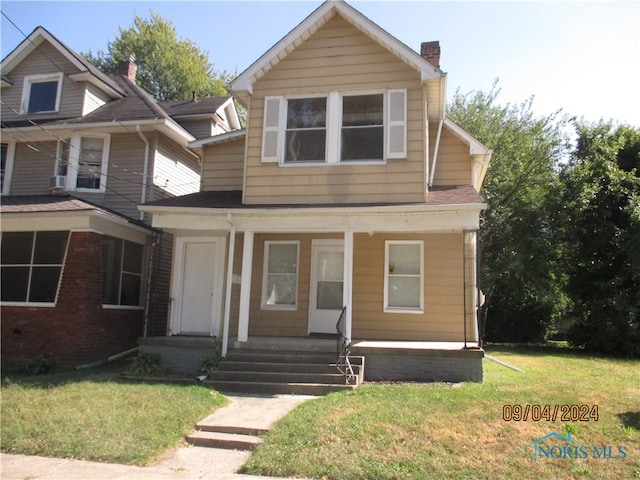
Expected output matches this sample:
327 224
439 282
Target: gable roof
86 71
243 84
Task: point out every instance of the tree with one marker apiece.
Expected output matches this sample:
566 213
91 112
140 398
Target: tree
601 224
520 269
168 68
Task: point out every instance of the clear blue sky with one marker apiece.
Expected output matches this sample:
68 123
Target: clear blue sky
582 57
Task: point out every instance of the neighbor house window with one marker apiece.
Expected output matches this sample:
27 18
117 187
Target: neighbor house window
121 272
6 166
41 93
280 282
339 127
404 276
83 161
32 265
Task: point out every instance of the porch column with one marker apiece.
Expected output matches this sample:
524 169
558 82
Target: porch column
245 287
348 281
227 293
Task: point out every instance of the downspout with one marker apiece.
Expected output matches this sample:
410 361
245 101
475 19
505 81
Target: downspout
443 108
464 285
145 172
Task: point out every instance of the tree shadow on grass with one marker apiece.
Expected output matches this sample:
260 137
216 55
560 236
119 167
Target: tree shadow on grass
630 419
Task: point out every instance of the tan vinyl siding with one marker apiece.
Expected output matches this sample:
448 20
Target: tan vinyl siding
453 165
442 319
222 166
32 169
337 57
44 60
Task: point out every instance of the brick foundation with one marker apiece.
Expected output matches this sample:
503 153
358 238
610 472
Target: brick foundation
78 329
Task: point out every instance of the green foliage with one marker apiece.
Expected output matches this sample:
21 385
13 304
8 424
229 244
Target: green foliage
169 68
601 222
211 363
147 364
521 274
42 365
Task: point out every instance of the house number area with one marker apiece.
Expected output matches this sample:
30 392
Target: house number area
550 413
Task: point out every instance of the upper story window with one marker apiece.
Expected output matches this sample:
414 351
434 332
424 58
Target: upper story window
335 128
41 93
82 163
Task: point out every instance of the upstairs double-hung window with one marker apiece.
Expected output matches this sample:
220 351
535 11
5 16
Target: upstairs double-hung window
335 128
41 93
82 162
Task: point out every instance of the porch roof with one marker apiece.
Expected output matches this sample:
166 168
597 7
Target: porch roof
439 195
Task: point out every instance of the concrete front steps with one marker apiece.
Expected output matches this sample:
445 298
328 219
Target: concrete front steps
229 438
282 372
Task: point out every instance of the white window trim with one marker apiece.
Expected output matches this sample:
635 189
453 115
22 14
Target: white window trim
333 128
392 309
8 167
265 275
40 78
73 163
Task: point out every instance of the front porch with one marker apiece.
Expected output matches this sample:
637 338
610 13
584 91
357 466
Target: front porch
384 360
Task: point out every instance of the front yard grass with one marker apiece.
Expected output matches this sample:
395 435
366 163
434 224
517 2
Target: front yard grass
90 416
436 431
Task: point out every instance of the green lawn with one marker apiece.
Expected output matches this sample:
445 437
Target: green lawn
423 431
86 415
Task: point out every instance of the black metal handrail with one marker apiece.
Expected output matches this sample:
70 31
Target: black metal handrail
344 350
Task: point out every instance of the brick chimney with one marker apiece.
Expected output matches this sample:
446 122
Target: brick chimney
430 51
128 68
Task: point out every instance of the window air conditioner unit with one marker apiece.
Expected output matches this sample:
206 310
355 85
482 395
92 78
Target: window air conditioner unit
57 182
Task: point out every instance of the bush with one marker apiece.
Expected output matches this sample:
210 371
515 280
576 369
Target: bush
211 363
147 365
41 365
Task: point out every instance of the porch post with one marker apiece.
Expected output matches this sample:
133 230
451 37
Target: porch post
245 287
227 293
348 281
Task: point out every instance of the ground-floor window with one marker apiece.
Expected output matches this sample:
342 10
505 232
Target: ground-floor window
31 265
404 276
121 271
280 282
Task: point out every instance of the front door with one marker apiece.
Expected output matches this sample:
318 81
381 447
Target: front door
326 297
195 302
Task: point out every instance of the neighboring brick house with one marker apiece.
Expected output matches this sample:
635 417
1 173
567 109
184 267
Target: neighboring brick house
349 191
83 273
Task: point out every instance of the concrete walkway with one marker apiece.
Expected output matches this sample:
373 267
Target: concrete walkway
184 463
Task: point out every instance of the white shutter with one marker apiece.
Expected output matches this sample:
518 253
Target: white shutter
396 123
271 129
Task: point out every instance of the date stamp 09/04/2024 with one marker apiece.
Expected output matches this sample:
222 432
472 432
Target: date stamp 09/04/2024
550 413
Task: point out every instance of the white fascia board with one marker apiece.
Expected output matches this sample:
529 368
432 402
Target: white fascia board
447 218
244 82
222 138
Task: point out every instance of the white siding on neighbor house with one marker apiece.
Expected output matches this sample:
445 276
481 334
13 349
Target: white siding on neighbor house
174 170
94 98
44 60
338 57
222 166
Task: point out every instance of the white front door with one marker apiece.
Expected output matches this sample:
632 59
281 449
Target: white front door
326 296
196 292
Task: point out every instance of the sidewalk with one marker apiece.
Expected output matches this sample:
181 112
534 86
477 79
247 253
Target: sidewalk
184 463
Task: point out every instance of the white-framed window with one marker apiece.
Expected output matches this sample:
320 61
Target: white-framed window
280 277
339 127
82 161
122 263
41 93
31 266
7 150
404 276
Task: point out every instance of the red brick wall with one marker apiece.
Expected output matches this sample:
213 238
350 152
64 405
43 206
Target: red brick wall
77 330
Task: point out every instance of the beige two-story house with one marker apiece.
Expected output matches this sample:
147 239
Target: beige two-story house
349 193
83 272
